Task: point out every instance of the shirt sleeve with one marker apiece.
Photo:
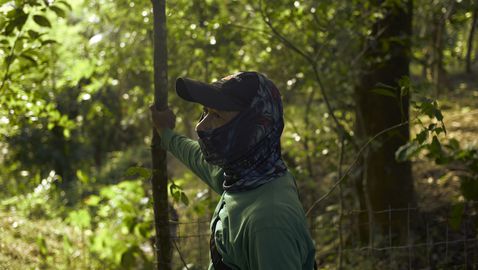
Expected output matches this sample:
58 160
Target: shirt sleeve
273 249
189 153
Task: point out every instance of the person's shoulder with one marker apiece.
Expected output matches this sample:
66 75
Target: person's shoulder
275 208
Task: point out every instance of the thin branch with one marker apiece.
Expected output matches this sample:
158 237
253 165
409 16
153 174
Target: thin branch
353 163
341 199
10 60
285 41
253 29
305 145
180 255
368 45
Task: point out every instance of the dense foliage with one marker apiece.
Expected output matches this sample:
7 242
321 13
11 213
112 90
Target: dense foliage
76 82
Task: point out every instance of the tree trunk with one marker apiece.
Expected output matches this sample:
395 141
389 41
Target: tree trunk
471 35
389 184
159 178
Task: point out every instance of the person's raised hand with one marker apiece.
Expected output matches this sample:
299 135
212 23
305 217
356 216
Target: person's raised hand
162 119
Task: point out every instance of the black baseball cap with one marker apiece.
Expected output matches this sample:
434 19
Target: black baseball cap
231 93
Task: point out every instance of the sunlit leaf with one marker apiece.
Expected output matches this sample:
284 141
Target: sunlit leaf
92 200
66 133
82 176
42 247
67 244
79 218
143 172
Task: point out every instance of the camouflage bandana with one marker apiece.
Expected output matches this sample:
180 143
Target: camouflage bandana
248 147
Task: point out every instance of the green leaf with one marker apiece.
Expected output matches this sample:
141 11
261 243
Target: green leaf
456 216
427 108
80 218
406 151
454 144
9 59
176 195
59 12
42 20
42 247
143 230
108 192
66 4
422 136
9 28
67 245
12 13
384 92
184 198
143 172
48 41
443 126
66 133
128 258
82 176
20 20
469 188
439 130
29 58
51 125
438 114
130 223
93 200
33 34
435 147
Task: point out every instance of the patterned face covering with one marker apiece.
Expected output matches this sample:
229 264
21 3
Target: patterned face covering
248 147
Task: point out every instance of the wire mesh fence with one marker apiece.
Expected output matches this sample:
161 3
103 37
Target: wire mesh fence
393 238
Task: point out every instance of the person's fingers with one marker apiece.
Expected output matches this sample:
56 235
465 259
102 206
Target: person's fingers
163 118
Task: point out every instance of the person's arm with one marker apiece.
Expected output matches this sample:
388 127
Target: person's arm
189 153
273 249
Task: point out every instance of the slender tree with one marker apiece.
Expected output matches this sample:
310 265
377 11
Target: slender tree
471 36
439 34
159 178
388 183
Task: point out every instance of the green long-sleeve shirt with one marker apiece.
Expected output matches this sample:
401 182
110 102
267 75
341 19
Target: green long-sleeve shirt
261 229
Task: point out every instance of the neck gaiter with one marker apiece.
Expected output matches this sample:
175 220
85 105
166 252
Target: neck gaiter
248 147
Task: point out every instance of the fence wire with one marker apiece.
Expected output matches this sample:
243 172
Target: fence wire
396 238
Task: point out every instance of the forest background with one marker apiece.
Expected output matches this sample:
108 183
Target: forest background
380 104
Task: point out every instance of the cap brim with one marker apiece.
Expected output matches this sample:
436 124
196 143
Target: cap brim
206 94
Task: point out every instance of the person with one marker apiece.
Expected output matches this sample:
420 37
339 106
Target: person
259 222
